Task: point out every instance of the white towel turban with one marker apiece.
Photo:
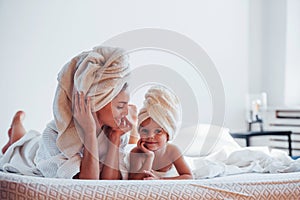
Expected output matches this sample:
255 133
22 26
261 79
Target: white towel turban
163 107
101 74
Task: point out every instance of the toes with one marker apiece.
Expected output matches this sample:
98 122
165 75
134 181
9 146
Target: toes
5 148
9 132
19 116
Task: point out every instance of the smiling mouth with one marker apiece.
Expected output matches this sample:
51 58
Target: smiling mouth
151 142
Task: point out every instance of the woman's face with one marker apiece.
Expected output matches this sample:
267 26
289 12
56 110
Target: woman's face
113 113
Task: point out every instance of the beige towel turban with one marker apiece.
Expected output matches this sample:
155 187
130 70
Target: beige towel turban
163 107
101 74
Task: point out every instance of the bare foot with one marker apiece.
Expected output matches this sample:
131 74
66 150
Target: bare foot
16 130
8 143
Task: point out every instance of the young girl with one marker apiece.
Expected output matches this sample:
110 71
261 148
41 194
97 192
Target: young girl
153 157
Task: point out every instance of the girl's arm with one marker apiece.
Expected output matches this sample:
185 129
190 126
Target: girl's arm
140 162
180 164
86 126
182 169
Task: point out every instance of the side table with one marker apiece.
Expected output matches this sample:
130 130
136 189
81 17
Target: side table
248 134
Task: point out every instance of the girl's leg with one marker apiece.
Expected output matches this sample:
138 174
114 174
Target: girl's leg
16 130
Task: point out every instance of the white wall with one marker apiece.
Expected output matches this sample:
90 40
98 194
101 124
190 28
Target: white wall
292 66
274 51
267 49
273 59
38 37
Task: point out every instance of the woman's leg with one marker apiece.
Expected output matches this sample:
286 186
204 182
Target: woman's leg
16 130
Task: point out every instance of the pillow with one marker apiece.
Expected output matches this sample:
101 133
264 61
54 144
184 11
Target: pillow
204 139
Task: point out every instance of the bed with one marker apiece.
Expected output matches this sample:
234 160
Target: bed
242 186
225 171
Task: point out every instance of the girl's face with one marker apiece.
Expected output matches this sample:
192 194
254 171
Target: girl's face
153 135
114 112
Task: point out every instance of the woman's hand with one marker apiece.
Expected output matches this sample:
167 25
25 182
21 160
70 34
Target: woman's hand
114 134
84 119
132 114
86 126
124 126
127 122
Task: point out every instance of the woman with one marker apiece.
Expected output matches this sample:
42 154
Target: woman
86 139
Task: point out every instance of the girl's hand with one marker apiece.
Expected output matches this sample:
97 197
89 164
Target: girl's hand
83 117
150 175
141 146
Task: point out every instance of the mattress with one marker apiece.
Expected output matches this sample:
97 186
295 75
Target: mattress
233 178
241 186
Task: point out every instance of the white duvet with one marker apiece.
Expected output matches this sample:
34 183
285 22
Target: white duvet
209 150
244 160
213 152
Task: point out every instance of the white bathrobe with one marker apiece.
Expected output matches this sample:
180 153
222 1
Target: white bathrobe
36 154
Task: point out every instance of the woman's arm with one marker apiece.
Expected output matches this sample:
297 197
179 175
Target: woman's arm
89 168
110 170
134 136
111 167
86 126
